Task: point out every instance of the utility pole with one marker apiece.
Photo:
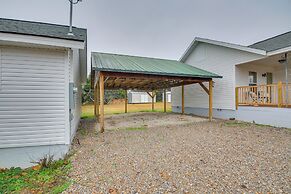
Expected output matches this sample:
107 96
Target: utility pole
72 2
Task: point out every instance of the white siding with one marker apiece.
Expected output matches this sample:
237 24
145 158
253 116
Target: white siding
139 97
32 97
242 74
279 74
75 77
220 60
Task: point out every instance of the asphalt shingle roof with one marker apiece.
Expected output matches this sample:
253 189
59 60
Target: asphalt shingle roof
41 29
274 43
145 65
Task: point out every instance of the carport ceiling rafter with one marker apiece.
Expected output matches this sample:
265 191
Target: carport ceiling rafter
126 81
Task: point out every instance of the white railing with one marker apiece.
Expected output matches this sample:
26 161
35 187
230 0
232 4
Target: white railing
264 95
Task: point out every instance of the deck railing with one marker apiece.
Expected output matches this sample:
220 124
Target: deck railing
264 95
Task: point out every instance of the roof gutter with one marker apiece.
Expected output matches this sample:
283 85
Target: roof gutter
41 40
279 51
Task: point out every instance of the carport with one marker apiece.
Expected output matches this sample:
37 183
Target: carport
114 71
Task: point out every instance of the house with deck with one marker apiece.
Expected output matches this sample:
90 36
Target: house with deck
41 71
256 80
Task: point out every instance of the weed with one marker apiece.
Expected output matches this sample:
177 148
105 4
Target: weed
45 161
136 128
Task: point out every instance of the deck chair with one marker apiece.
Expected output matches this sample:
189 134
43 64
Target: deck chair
253 97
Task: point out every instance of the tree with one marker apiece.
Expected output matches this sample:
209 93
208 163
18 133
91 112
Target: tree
109 95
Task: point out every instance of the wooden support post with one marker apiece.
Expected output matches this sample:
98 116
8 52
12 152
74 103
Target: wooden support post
95 100
153 101
125 102
210 99
165 101
101 83
280 94
183 100
98 101
236 98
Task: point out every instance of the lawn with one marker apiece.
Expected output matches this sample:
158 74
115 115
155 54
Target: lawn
88 110
42 178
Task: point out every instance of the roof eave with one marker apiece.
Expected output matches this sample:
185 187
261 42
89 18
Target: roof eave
278 51
154 73
41 40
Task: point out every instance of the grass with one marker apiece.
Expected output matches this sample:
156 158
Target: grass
37 179
141 128
243 124
236 124
88 110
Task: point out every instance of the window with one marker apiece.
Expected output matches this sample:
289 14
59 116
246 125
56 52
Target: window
252 78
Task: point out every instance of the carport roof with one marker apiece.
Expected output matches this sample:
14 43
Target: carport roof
106 62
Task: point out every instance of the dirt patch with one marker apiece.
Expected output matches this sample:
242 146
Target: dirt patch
114 122
180 154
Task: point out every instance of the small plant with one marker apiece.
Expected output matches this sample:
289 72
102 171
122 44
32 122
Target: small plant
45 161
83 131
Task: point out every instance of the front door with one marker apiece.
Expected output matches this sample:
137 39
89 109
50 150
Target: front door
269 78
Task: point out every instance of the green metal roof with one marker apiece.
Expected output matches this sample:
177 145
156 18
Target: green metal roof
145 65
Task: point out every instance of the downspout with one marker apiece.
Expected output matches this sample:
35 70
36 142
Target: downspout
286 78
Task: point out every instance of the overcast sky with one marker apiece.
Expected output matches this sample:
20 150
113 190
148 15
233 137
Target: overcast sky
159 28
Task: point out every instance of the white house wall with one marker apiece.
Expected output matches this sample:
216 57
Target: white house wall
278 71
32 97
279 74
242 74
220 60
75 77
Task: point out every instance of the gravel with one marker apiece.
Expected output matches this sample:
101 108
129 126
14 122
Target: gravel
172 153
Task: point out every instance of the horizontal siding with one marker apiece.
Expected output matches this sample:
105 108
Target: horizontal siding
220 60
32 97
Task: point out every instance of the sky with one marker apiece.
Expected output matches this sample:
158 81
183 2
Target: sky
159 28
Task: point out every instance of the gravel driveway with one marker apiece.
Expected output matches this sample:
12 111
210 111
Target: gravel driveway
171 153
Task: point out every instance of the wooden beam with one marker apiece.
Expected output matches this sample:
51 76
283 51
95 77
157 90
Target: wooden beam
236 98
153 76
153 101
165 100
125 102
183 100
96 78
150 94
101 83
210 99
143 84
97 101
280 94
204 87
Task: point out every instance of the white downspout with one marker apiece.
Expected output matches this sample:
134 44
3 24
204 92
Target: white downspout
286 78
